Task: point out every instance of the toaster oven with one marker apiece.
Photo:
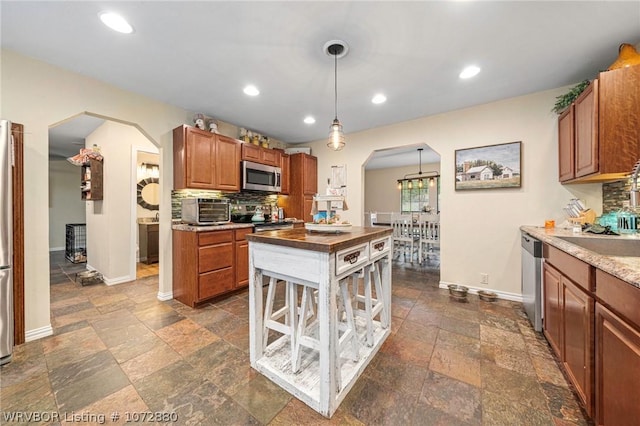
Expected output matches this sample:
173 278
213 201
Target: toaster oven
205 211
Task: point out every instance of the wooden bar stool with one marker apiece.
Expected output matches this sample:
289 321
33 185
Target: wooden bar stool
288 311
372 306
346 324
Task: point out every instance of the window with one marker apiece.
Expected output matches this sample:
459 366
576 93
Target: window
415 198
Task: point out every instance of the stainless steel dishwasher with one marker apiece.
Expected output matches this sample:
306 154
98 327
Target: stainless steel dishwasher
532 279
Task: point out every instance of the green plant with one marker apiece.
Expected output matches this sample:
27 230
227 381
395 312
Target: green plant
563 101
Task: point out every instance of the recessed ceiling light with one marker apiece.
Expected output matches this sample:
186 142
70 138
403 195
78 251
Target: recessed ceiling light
469 71
116 22
309 119
379 99
251 90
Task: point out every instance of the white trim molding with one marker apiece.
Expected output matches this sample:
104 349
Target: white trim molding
164 296
514 297
38 333
57 248
118 280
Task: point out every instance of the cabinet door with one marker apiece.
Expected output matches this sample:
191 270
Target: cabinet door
285 164
577 340
566 143
251 152
153 246
310 176
269 157
242 264
227 162
307 205
214 283
617 370
552 322
586 131
200 159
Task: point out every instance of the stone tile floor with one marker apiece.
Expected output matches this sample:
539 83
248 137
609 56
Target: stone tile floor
119 349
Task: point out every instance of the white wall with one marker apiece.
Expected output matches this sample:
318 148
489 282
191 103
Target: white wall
65 202
381 192
109 221
480 230
39 95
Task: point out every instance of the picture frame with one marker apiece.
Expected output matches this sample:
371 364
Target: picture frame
489 167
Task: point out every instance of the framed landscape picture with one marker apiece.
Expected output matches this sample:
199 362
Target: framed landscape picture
489 167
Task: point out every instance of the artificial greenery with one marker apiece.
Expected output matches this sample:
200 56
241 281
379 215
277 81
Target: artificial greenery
563 101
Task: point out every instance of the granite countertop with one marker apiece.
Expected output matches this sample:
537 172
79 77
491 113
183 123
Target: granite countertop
206 228
627 268
319 241
179 226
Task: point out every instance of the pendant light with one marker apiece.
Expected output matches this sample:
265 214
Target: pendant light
433 175
336 48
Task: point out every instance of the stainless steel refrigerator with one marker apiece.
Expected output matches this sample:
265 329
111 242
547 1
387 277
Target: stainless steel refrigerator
6 242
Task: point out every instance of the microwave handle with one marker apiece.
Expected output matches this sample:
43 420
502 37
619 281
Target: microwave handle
278 179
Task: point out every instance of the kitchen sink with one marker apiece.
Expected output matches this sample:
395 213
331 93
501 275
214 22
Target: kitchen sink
607 246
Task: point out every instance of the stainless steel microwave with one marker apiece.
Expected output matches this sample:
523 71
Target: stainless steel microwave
205 211
260 177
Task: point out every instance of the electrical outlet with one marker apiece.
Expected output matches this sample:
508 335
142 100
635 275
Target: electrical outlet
484 278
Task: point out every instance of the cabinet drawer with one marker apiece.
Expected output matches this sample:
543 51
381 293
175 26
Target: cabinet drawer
352 258
215 257
620 296
574 269
207 238
241 234
379 247
215 283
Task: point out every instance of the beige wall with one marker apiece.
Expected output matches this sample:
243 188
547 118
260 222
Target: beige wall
480 229
111 222
39 95
381 192
65 202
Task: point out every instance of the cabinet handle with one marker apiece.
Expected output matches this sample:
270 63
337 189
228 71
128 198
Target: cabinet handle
379 246
352 257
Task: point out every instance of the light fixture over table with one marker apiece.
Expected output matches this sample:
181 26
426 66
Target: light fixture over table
432 175
336 48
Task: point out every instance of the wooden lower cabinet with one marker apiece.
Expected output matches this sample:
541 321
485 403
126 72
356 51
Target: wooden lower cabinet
578 340
149 237
568 318
617 370
552 306
208 264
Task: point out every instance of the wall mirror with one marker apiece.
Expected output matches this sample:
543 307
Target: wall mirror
149 193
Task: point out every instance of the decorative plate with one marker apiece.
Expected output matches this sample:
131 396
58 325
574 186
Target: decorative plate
323 227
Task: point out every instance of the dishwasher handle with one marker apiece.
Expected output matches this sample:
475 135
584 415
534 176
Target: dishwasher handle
532 245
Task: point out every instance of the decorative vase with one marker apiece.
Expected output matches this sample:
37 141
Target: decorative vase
627 56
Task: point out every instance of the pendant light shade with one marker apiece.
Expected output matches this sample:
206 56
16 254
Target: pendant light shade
336 135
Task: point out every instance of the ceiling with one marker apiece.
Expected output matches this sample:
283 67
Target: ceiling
66 139
198 55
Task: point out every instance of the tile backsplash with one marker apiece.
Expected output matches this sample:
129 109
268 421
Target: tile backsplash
244 197
613 194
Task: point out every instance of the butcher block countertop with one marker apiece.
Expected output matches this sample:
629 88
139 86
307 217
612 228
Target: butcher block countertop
319 241
625 267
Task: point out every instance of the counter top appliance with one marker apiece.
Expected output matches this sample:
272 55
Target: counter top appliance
205 211
260 177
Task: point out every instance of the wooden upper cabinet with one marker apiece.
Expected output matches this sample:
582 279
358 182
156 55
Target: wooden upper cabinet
285 166
310 175
586 131
260 155
606 130
565 145
204 160
227 163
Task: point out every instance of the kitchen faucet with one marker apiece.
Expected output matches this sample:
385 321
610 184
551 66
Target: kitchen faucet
634 186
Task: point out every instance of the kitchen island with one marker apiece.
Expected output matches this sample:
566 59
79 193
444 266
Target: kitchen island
318 354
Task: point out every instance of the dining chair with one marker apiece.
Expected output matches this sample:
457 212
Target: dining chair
404 237
429 226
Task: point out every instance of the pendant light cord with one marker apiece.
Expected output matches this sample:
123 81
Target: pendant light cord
335 80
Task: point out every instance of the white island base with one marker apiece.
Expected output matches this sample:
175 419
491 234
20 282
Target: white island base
325 265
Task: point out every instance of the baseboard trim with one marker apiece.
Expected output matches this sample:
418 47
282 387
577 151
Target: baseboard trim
118 280
57 248
514 297
164 296
38 333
